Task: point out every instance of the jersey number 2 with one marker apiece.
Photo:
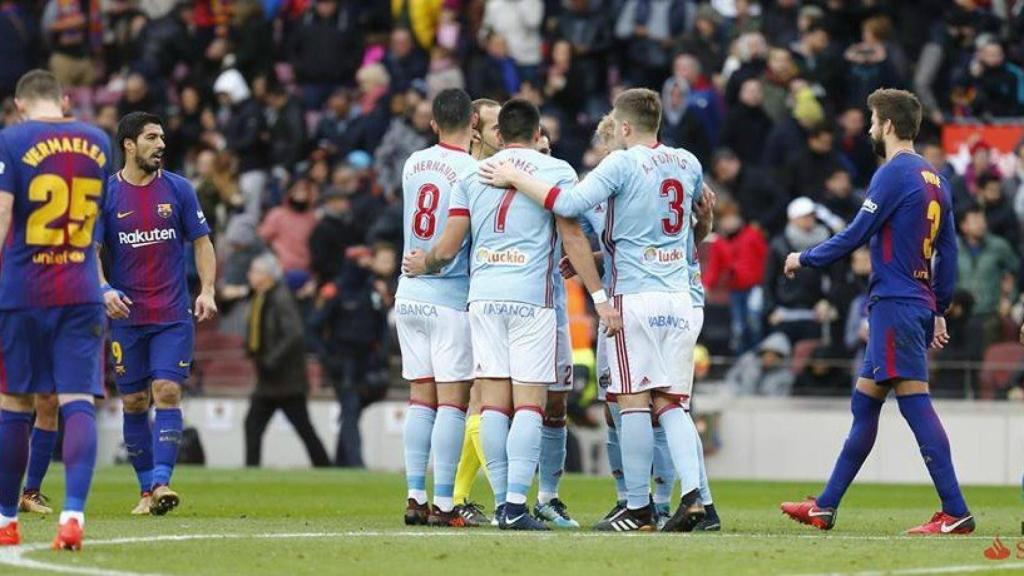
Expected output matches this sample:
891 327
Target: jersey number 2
424 220
77 201
934 217
673 190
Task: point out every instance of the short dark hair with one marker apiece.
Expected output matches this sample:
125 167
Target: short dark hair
987 178
39 85
971 207
453 110
518 121
818 129
900 107
641 107
132 125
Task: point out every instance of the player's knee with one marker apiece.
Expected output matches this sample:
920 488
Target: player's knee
166 394
136 402
47 406
16 402
555 409
423 393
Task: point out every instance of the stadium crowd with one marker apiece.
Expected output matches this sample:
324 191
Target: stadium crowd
293 119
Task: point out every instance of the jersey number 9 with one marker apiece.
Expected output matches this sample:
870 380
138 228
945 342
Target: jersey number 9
77 201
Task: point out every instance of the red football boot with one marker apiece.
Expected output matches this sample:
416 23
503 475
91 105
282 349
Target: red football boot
942 523
9 535
69 536
807 512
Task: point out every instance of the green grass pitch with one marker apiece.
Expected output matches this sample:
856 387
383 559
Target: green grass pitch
257 522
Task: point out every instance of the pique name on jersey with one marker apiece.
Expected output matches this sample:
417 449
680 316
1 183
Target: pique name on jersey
424 310
509 309
50 146
442 168
510 257
668 321
138 238
659 256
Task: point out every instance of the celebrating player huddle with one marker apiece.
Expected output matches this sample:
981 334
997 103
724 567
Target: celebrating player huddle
512 298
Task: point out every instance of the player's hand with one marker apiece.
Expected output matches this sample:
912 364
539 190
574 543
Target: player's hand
611 319
941 337
792 265
118 305
498 174
415 263
568 271
707 203
206 306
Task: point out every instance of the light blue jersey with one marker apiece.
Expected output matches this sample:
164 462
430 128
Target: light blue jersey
515 245
428 180
696 285
651 192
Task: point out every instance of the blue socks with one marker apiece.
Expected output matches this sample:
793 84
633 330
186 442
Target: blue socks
552 459
615 453
14 432
681 436
447 437
524 439
494 433
138 442
637 441
42 443
664 473
419 426
918 411
167 427
856 449
79 452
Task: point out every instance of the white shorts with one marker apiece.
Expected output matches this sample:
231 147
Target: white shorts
563 358
514 340
604 374
686 390
656 342
435 341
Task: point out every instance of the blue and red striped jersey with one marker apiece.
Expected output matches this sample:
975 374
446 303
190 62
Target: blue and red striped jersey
145 231
908 217
57 172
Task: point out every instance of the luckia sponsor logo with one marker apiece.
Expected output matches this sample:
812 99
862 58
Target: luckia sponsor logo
662 257
510 257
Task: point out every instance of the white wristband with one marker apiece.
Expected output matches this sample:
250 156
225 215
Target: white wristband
599 297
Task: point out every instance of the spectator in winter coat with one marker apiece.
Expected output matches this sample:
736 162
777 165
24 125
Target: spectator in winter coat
287 229
999 214
287 127
765 371
325 49
986 268
737 258
274 341
996 83
761 201
246 135
405 63
405 136
796 307
519 22
807 170
747 125
681 124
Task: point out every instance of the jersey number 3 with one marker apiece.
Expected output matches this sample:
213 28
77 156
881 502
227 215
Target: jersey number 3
424 220
673 190
934 217
77 201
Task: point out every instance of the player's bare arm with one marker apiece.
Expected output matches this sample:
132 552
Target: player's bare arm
206 264
6 206
705 214
117 304
577 248
418 263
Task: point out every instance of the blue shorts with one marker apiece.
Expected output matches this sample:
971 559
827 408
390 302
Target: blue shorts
899 334
151 352
52 350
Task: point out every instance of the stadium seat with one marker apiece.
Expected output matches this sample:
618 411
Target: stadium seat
1000 363
802 351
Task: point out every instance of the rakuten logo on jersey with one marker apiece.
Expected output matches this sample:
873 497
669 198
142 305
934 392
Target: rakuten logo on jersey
662 257
139 238
510 257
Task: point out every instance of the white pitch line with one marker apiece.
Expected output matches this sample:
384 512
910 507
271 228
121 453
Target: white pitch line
15 556
991 566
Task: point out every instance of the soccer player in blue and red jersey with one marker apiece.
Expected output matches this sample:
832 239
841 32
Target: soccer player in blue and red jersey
148 216
53 171
908 219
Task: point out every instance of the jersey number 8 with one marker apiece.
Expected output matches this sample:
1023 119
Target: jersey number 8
77 201
424 220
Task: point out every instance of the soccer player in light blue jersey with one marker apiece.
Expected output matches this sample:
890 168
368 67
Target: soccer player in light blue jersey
431 318
516 245
651 191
